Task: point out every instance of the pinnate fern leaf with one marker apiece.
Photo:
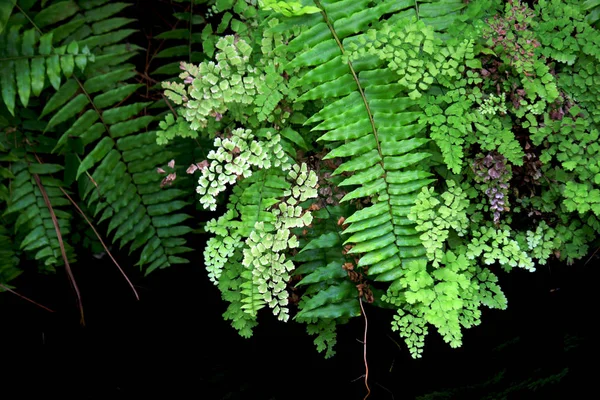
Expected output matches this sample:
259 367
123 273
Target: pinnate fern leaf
26 58
374 127
35 229
118 169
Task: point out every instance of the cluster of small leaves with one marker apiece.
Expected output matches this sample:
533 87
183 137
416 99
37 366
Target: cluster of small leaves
493 105
449 297
454 116
409 51
326 339
573 238
212 86
265 251
493 173
413 328
558 21
233 158
542 242
170 128
250 92
581 197
436 217
288 8
513 39
220 248
571 141
498 245
581 81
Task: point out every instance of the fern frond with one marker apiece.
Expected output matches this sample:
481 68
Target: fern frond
329 298
35 230
141 213
375 126
9 260
26 58
370 67
122 155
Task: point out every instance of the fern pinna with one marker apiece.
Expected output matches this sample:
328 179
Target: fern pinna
79 48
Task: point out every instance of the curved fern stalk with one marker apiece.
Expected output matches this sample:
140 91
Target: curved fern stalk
106 249
61 244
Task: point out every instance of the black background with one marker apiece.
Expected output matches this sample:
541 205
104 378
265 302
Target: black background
174 342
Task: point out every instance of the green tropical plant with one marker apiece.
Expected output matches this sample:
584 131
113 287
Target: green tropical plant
87 134
402 154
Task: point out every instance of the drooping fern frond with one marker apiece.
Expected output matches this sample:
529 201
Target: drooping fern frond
367 112
104 135
374 125
36 233
256 232
125 187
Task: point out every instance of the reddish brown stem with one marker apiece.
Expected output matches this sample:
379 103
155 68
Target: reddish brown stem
365 349
25 298
102 243
61 245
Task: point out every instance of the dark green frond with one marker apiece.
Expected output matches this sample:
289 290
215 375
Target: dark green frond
36 233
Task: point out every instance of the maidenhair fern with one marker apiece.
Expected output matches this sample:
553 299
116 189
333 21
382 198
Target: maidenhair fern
261 214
